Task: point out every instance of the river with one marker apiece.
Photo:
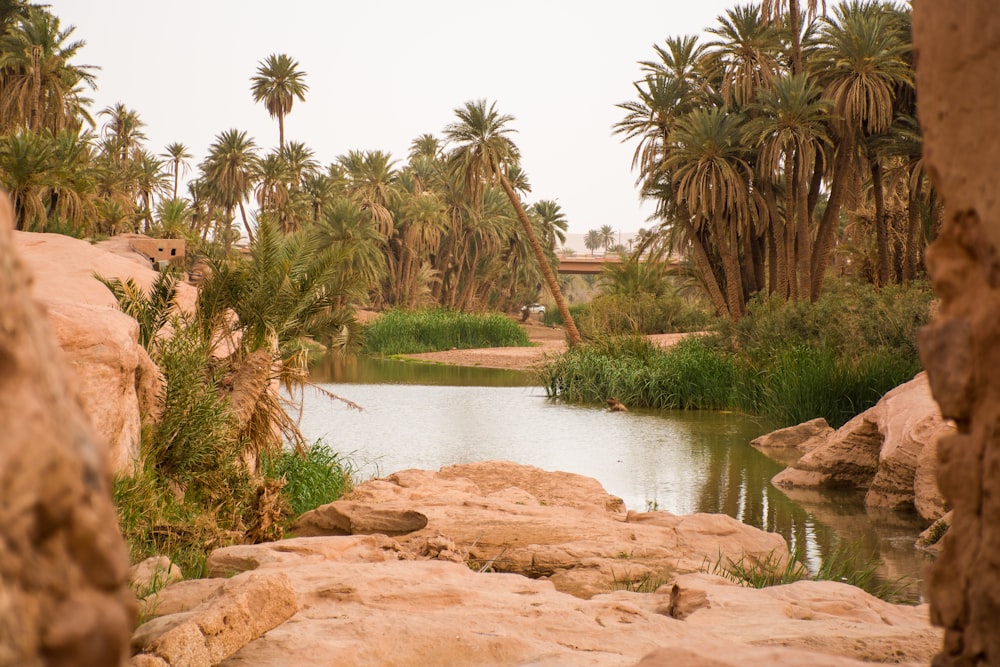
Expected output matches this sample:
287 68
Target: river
428 416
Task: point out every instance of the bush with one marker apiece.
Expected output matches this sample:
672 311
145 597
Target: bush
411 332
789 362
320 477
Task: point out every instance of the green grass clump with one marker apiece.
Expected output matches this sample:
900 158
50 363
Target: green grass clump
848 563
320 477
411 332
786 362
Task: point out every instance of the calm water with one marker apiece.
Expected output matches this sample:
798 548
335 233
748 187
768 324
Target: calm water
428 416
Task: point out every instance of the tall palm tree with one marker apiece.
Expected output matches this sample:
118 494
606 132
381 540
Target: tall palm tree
791 12
790 129
861 62
592 240
607 233
710 177
40 86
482 153
177 155
745 53
230 171
277 84
553 222
25 161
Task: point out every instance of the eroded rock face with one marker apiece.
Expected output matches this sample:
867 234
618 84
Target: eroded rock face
64 596
113 374
886 451
508 517
379 600
959 100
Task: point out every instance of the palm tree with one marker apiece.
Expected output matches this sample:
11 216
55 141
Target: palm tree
790 130
40 88
122 133
710 178
482 153
229 171
746 54
553 222
25 161
861 62
607 233
177 155
792 13
277 83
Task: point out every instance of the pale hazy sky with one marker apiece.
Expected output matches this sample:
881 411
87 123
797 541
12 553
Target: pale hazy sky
382 73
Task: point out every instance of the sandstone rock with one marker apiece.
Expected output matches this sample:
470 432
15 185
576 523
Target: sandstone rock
152 574
880 450
113 374
569 535
908 418
848 458
804 437
354 549
928 500
430 612
64 597
347 518
242 610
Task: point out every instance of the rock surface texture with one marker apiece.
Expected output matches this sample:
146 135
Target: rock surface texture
959 103
64 596
419 598
888 451
114 376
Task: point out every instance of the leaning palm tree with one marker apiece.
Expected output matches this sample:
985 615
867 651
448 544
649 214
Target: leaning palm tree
482 154
277 83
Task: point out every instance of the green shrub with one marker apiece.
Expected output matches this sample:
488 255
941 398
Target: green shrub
320 477
788 362
411 332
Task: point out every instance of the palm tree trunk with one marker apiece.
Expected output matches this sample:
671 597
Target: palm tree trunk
246 225
727 242
912 229
776 246
881 226
795 286
704 265
803 228
572 335
828 225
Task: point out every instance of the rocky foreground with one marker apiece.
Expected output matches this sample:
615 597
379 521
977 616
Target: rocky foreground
502 564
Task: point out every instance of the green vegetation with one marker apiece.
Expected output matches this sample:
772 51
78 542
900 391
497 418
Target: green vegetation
213 470
410 332
848 564
317 478
788 362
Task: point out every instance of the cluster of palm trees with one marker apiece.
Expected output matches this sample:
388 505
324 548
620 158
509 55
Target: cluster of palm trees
606 237
786 142
446 226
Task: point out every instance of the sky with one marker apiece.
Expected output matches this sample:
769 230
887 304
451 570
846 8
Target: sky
380 74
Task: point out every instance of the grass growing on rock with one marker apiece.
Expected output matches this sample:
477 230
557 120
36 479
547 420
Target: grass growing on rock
412 332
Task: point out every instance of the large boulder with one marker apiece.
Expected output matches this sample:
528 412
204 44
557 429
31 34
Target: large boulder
114 376
64 596
502 516
887 451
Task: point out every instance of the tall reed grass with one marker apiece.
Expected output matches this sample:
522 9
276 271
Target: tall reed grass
787 362
412 332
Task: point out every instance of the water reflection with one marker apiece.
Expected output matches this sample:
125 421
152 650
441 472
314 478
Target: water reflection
429 416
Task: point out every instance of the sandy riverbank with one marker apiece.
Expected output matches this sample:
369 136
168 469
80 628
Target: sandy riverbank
548 342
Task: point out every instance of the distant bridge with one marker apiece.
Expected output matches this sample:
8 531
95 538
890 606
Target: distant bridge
590 265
